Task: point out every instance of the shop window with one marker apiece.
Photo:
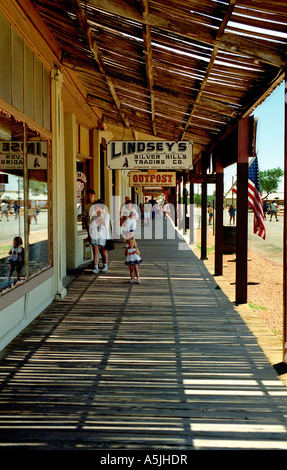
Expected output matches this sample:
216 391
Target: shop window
25 203
82 189
83 174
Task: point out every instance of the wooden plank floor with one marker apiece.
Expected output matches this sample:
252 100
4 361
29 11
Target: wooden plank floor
167 364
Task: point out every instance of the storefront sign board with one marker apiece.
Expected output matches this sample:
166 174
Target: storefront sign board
135 154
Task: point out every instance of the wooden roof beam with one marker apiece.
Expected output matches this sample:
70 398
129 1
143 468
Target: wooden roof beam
148 60
227 42
220 32
87 31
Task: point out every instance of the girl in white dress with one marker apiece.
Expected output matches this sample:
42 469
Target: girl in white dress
133 259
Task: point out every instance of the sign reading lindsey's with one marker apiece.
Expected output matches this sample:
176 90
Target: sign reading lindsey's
161 154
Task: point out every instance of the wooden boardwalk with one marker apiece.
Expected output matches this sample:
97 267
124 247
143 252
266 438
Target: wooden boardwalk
167 364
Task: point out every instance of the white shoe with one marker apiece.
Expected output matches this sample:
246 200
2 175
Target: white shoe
96 270
138 281
132 280
105 268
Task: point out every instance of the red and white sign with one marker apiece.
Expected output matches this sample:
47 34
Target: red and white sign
161 179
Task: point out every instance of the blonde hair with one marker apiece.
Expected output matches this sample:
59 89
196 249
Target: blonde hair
132 240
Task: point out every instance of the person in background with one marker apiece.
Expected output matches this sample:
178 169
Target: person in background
273 211
210 214
165 209
265 208
4 210
147 211
86 221
152 202
16 258
231 211
16 208
129 216
99 230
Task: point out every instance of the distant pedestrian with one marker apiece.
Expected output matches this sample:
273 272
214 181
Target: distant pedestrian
147 211
231 211
129 217
4 210
210 214
265 208
133 259
152 202
165 209
16 208
273 210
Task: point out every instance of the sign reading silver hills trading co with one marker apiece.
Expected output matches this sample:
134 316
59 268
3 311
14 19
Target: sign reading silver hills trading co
158 154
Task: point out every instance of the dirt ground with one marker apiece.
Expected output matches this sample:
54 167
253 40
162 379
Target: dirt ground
265 289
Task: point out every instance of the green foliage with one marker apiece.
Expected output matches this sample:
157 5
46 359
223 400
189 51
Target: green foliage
38 187
269 179
257 307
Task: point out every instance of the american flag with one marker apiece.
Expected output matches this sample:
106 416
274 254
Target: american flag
254 198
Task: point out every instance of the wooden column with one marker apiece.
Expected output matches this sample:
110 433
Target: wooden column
218 267
191 211
179 207
204 166
173 198
242 211
184 200
285 239
203 220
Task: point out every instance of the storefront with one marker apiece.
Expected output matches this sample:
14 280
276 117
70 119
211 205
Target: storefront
52 151
53 148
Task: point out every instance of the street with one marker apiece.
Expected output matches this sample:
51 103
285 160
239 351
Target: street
272 247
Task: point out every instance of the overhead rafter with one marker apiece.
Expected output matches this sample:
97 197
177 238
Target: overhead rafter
211 62
87 31
227 42
172 69
148 60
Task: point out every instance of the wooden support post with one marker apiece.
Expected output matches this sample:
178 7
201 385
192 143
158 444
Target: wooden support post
218 267
204 220
191 212
285 239
184 200
173 194
242 211
179 207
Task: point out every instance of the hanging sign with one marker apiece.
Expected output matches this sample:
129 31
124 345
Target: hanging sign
159 154
159 179
12 155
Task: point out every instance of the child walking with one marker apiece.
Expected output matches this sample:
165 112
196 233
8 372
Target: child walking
133 259
16 258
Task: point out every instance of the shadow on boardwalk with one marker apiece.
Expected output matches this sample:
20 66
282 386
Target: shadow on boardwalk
167 364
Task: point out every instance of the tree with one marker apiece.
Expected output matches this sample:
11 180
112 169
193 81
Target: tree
269 179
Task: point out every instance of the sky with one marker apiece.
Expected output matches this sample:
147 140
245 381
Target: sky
270 136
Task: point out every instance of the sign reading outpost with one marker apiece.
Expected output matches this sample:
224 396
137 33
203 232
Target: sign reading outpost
136 154
160 179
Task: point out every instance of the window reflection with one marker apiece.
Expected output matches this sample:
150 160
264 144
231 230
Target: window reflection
38 220
24 203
